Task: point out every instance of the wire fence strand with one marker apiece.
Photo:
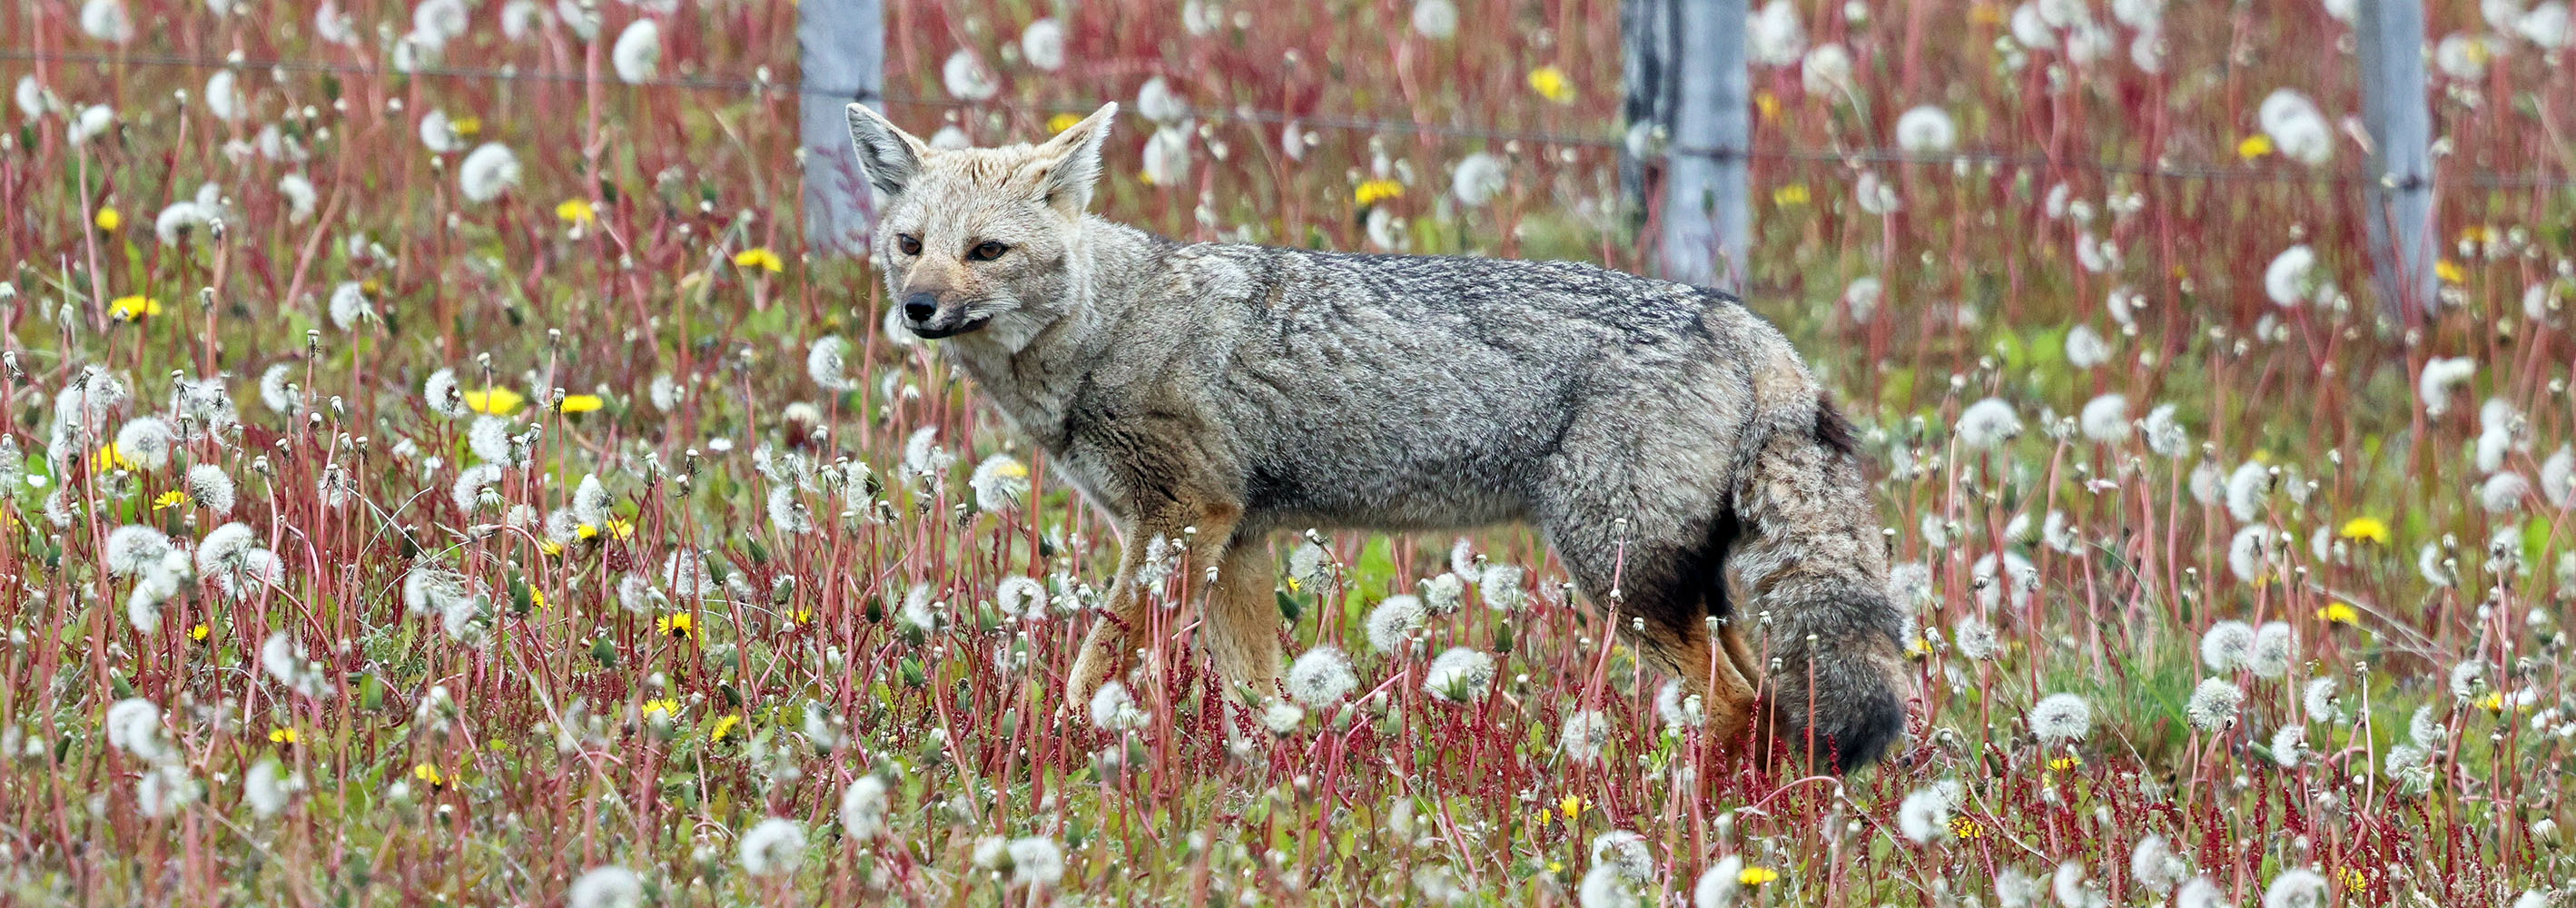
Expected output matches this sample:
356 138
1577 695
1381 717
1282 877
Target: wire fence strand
1854 157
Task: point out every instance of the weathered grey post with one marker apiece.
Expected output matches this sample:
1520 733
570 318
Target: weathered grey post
1706 215
840 48
2400 119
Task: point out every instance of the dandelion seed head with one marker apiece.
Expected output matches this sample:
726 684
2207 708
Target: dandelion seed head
1114 710
2214 704
637 55
773 846
1392 623
2297 887
1321 677
864 809
1042 44
2059 718
489 170
1926 130
1583 735
1988 423
2227 646
1459 675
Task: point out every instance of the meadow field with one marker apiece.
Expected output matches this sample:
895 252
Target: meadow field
435 471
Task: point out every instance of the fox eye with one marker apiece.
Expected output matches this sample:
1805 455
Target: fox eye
987 250
907 243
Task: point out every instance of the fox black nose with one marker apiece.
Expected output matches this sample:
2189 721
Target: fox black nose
919 307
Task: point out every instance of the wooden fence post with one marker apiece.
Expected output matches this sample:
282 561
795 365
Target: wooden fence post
2399 208
840 48
1707 218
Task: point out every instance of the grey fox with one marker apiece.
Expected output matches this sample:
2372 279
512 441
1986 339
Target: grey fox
1658 434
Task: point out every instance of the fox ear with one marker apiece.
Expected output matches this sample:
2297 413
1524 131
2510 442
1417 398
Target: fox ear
1068 165
890 155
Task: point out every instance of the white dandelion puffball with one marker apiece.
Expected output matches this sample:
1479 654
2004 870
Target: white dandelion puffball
224 97
967 78
637 55
1435 19
1392 623
2106 419
2213 704
488 171
1167 157
2291 278
1988 423
1042 44
2227 645
1927 130
1156 101
606 887
864 808
1479 178
1826 69
1459 675
1321 677
2297 128
1775 36
2061 717
774 845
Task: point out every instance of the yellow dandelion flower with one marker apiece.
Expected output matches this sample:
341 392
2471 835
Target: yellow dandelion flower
2340 613
1063 121
2067 762
133 308
1555 866
496 401
1965 828
199 632
676 625
1552 83
536 598
109 458
1371 192
801 616
109 219
2478 233
620 528
759 257
2254 146
577 211
429 774
2366 529
1791 196
666 708
169 499
724 726
2353 879
1756 876
1767 105
550 547
466 127
581 403
2450 272
1572 807
586 532
283 735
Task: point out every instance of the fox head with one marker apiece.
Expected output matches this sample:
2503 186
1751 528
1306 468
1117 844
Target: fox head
976 238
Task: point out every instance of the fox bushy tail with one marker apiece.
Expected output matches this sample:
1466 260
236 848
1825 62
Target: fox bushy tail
1813 567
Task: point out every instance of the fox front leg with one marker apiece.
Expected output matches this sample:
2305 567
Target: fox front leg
1203 531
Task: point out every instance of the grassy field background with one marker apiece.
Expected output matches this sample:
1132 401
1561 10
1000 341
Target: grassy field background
435 473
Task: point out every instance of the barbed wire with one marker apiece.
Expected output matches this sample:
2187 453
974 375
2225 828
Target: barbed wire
1337 122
